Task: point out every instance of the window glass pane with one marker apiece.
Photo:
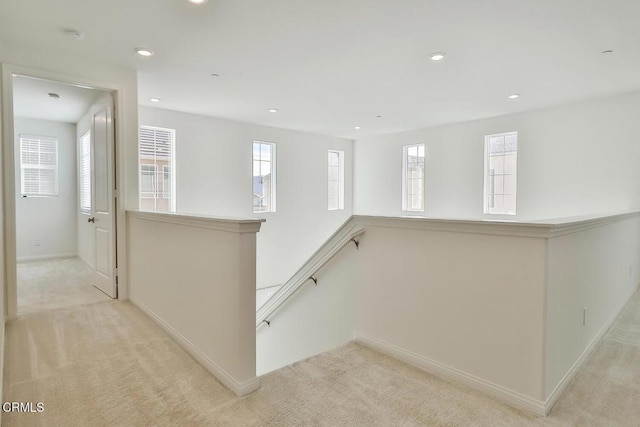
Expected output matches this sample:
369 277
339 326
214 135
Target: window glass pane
263 177
510 203
413 179
157 169
509 184
510 163
496 164
501 173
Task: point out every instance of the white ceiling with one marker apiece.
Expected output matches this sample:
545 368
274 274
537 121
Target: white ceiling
330 65
31 99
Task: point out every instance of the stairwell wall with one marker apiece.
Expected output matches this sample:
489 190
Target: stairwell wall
214 177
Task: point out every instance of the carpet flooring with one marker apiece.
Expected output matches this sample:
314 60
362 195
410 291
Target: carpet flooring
107 364
55 283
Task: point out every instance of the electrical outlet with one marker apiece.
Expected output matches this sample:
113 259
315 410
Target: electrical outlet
36 242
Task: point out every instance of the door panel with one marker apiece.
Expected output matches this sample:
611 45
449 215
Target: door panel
104 214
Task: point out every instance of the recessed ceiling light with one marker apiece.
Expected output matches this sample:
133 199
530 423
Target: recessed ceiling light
53 95
605 52
514 96
356 127
154 100
437 56
197 1
273 110
143 51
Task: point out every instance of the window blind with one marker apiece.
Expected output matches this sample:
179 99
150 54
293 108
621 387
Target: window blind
38 165
85 173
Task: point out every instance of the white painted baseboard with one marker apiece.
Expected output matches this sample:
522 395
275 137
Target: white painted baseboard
239 388
512 397
566 380
43 257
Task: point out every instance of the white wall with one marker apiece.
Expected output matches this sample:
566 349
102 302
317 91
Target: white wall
316 319
497 306
469 301
597 269
46 226
572 160
213 174
196 278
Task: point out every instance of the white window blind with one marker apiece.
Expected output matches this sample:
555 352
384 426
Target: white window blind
156 151
413 178
85 173
264 176
38 165
335 178
501 164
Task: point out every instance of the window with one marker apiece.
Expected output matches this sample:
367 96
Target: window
38 165
264 177
413 178
85 173
335 178
157 169
501 161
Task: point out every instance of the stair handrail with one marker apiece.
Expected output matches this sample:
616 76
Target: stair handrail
347 233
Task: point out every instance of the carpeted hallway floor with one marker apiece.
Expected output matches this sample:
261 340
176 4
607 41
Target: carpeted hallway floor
107 364
55 283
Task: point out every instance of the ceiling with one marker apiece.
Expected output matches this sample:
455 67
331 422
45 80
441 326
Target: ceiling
331 65
31 99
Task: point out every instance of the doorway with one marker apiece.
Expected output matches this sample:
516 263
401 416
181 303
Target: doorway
65 213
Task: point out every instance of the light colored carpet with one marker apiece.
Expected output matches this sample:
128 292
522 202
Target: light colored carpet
107 364
55 283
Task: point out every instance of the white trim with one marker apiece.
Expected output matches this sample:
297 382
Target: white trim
571 373
234 225
43 257
239 388
541 229
444 371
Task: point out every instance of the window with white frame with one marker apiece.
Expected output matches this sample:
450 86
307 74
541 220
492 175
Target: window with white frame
157 169
38 165
500 173
85 173
264 176
413 178
335 180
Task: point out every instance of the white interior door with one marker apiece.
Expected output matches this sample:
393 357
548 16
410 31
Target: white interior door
103 219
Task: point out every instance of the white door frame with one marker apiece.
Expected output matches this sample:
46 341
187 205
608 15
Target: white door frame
8 178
